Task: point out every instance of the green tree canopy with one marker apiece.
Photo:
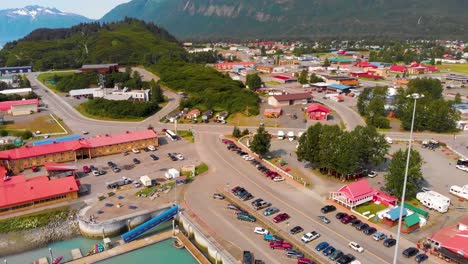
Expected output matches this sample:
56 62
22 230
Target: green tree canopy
302 79
315 79
253 81
396 174
261 142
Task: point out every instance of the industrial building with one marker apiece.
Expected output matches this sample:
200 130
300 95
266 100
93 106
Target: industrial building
113 94
19 91
16 160
20 107
100 68
289 99
19 69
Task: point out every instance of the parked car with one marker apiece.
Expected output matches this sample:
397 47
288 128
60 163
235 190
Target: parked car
86 169
260 230
136 161
151 147
270 211
421 257
379 236
340 215
324 219
116 169
329 250
218 196
136 184
310 236
345 259
327 209
154 157
462 167
233 207
278 179
355 246
372 174
270 237
410 252
296 230
304 261
356 222
247 257
336 255
280 245
136 151
246 217
235 189
291 253
362 226
323 245
281 217
247 197
348 219
369 231
389 242
179 156
126 153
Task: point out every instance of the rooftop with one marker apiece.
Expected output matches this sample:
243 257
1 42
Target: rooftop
339 86
357 190
6 105
295 96
98 66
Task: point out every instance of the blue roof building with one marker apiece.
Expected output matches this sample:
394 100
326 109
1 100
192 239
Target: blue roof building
49 141
19 69
339 87
395 213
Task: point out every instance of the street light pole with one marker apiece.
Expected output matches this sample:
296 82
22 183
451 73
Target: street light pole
415 96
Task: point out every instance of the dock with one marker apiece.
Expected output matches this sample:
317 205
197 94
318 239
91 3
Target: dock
122 249
76 253
192 249
43 261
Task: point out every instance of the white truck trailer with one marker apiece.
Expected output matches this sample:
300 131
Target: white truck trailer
434 200
291 136
146 181
281 135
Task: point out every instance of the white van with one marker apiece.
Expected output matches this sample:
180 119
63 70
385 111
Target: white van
389 140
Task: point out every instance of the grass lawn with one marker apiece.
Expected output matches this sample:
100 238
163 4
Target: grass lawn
272 83
82 111
460 68
371 207
239 119
46 77
46 124
202 168
148 190
31 221
187 135
298 175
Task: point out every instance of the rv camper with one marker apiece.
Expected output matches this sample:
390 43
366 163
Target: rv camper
434 200
280 135
460 191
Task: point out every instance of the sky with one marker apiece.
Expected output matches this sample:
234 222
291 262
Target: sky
89 8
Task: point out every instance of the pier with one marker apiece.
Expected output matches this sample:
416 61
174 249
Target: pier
193 250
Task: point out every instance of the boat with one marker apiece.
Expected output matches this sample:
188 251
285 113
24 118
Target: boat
57 260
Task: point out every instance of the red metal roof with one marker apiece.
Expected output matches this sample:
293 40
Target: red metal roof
398 68
365 64
357 190
52 166
294 96
283 77
99 141
317 107
5 106
20 190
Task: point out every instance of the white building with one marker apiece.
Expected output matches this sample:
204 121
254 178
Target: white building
113 94
20 91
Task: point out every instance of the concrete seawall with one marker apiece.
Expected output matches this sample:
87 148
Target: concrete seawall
115 226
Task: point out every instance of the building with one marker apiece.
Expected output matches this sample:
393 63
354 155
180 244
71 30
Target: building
100 68
450 243
317 112
20 107
48 141
229 66
360 192
18 193
365 64
193 114
343 80
10 79
20 91
19 69
60 170
462 79
284 79
339 88
17 160
113 94
384 72
272 112
340 61
369 75
289 99
399 69
270 69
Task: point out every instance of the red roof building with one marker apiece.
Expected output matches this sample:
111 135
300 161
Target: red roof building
451 242
100 68
227 66
317 112
359 192
18 193
365 64
7 105
398 68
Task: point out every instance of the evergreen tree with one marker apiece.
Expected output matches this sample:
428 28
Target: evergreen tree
156 91
253 81
302 79
245 132
263 51
236 132
326 63
261 142
396 173
315 79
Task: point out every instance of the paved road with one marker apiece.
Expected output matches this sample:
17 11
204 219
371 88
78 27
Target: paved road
301 204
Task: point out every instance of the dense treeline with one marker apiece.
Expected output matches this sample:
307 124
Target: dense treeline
207 88
120 109
14 97
342 153
405 52
371 105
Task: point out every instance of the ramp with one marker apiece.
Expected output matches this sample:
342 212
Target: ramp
150 224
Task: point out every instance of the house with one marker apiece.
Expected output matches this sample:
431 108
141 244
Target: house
411 223
450 243
365 64
272 112
193 114
384 72
100 68
19 193
207 115
20 107
270 69
368 75
339 88
19 69
360 192
284 79
399 69
391 217
229 66
289 99
317 112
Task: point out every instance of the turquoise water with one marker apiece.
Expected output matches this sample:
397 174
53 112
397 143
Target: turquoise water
159 253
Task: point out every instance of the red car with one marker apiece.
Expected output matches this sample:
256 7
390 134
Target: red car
35 169
234 190
279 245
86 169
281 217
227 141
304 261
348 219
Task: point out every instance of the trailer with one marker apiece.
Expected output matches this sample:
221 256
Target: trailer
146 181
461 192
291 136
434 200
118 183
280 135
221 117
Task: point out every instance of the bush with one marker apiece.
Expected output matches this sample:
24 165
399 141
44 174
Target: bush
32 221
202 168
120 109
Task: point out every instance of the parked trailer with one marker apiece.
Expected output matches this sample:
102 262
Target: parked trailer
434 200
146 181
117 183
460 191
280 135
291 136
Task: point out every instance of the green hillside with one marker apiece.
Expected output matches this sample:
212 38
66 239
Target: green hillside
128 43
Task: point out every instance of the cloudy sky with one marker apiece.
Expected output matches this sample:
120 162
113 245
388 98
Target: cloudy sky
89 8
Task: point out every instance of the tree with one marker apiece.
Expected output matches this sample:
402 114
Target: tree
433 61
302 79
326 63
371 146
253 81
315 79
156 91
236 132
261 142
137 78
396 173
308 148
4 86
457 98
263 51
245 132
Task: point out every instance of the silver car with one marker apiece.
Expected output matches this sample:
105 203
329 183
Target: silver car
324 219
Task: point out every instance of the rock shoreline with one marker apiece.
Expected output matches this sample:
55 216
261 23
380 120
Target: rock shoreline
19 242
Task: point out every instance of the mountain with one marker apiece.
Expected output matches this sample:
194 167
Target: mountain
129 42
17 23
278 19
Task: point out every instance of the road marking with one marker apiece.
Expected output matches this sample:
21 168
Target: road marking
293 208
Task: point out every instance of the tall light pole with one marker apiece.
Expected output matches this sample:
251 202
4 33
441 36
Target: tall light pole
414 96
